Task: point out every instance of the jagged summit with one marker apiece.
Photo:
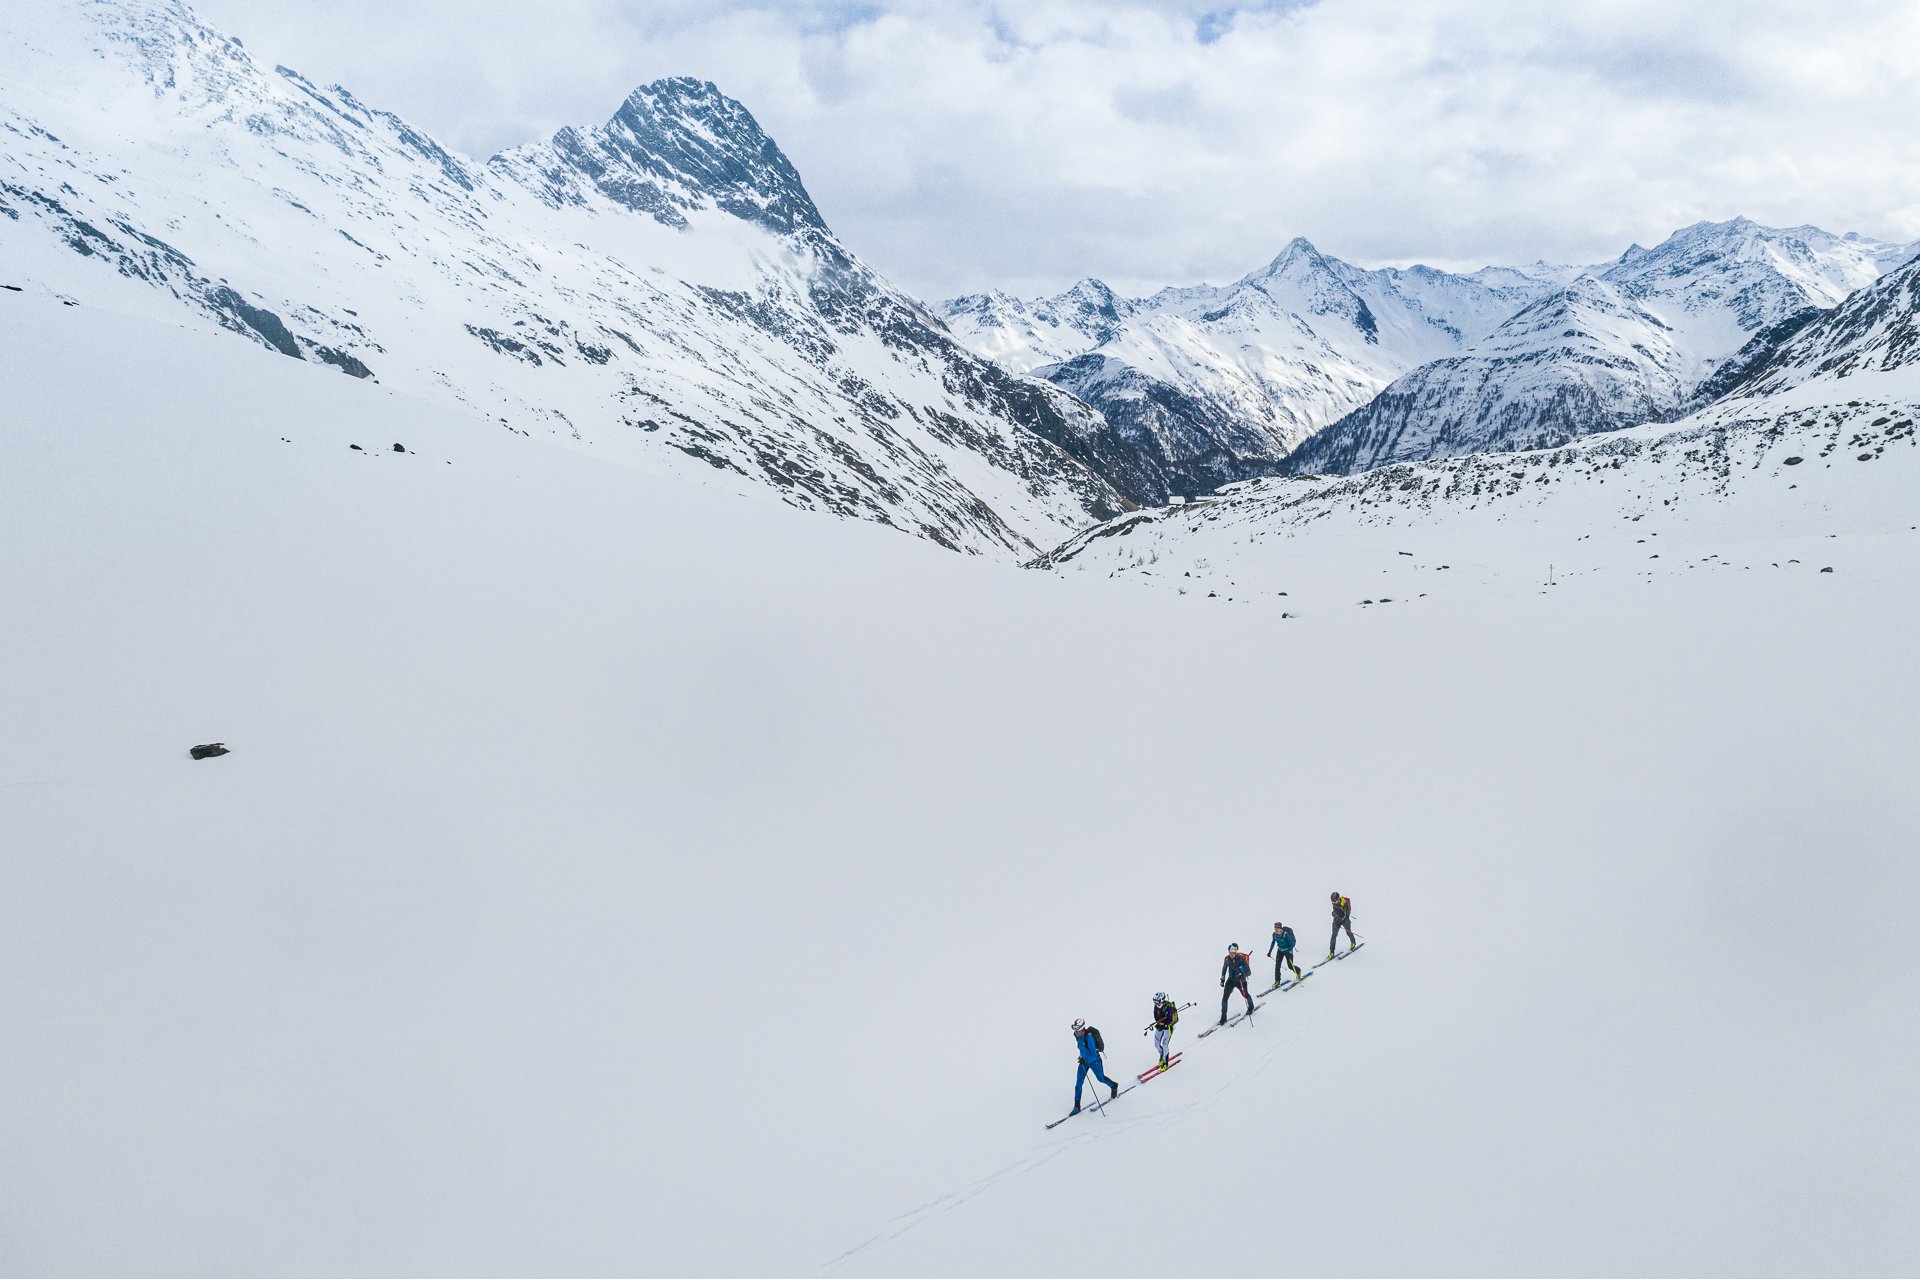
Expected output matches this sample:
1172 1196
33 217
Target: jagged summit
1299 253
673 147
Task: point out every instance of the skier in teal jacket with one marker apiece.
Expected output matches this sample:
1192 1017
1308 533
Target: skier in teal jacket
1281 948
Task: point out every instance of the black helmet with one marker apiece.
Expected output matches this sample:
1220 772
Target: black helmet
1334 898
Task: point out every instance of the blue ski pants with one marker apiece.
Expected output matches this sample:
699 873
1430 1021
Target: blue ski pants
1080 1079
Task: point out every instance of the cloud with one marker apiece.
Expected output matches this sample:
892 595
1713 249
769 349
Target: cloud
969 143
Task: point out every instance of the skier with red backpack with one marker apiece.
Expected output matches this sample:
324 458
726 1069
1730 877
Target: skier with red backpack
1087 1039
1234 971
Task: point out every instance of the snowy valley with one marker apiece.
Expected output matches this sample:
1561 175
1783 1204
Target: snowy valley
616 872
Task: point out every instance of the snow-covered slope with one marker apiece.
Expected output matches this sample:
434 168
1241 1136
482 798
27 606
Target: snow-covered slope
1634 343
659 289
1206 385
612 878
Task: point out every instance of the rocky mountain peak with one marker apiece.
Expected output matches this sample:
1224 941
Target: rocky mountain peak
1299 258
675 146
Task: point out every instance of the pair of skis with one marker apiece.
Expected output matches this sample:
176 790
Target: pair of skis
1151 1071
1098 1104
1338 954
1234 1020
1288 984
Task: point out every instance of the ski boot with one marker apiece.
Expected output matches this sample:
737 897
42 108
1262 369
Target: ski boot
1114 1095
1073 1112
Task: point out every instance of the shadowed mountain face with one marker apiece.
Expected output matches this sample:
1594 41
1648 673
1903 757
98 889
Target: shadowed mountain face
660 288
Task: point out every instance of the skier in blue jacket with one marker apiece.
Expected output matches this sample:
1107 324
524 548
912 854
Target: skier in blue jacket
1281 948
1088 1041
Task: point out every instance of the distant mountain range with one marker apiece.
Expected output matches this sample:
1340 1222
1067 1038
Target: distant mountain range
1203 386
1313 364
661 289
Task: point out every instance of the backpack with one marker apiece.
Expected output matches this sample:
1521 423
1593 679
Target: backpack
1286 939
1099 1044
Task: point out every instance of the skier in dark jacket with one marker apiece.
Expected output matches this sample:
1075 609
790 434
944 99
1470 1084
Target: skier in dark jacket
1087 1040
1234 970
1165 1018
1281 948
1342 918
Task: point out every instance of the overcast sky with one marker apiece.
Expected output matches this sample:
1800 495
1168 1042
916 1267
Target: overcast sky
960 144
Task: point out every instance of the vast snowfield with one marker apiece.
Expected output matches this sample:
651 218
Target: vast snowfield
612 876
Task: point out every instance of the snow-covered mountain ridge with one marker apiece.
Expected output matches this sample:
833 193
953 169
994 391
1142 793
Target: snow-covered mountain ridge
660 289
1314 365
1205 385
1644 340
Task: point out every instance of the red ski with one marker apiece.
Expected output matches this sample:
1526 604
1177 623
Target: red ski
1151 1071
